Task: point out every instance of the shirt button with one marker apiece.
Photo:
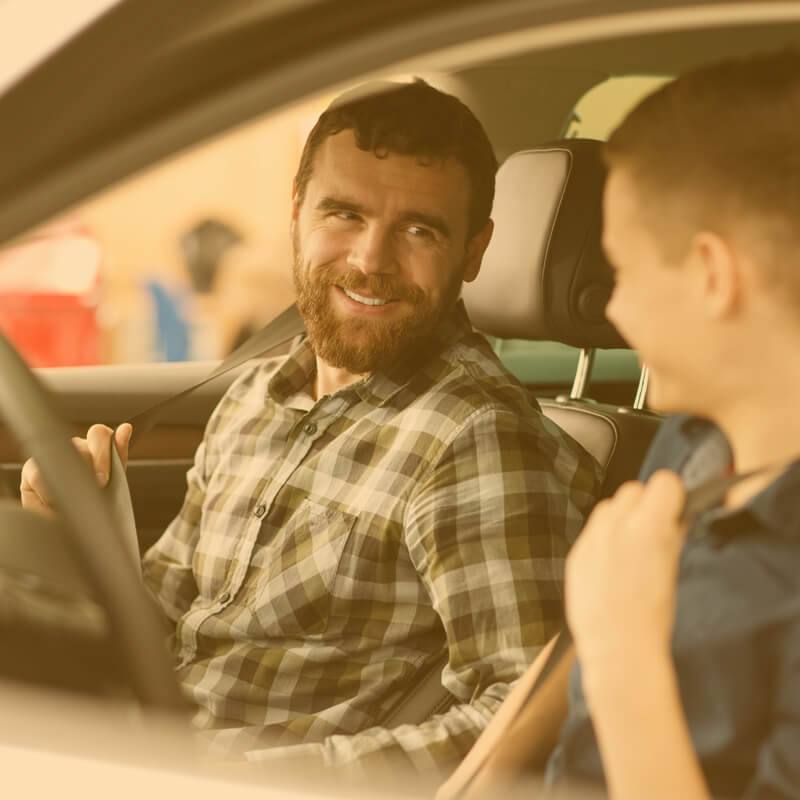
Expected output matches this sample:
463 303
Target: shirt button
261 510
224 597
310 428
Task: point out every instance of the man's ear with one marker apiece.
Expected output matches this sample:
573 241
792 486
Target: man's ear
295 209
720 273
476 247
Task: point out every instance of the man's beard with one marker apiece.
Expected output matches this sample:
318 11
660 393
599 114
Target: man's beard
358 344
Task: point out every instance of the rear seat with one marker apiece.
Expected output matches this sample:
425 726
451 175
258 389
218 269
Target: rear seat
544 277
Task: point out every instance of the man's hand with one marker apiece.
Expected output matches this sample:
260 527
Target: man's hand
622 572
96 451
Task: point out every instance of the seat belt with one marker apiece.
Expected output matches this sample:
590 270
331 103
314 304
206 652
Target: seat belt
285 327
282 329
702 498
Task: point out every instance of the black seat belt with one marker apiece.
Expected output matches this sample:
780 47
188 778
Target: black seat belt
285 327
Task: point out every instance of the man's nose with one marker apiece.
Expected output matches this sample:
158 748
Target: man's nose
372 250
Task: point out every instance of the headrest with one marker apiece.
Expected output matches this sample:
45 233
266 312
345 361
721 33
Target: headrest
544 275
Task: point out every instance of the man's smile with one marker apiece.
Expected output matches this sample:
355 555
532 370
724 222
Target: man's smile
367 301
363 301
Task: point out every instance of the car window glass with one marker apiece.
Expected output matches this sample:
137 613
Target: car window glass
177 263
602 108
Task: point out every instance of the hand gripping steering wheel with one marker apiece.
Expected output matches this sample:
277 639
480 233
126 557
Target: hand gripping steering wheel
89 520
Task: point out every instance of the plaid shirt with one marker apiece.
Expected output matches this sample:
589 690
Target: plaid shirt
327 551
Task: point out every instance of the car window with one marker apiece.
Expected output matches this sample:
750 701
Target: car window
178 263
602 108
50 296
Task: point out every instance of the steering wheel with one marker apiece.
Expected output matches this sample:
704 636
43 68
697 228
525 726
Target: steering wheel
89 520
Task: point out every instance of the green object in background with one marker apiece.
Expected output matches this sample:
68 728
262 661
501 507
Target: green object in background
552 362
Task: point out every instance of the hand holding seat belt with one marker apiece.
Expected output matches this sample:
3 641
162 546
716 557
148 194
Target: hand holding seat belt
538 712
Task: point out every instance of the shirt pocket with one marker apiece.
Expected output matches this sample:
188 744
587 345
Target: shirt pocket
293 585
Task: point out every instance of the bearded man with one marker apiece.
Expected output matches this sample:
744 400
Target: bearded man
387 494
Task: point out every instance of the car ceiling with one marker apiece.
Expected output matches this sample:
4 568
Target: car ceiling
33 29
540 89
149 77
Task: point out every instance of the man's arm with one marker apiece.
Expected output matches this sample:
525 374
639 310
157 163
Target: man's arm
487 530
515 734
167 565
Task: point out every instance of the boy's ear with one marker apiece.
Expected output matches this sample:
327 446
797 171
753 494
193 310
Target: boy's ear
476 247
720 273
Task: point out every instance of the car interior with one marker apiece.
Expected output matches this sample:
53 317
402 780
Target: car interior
547 243
544 279
525 99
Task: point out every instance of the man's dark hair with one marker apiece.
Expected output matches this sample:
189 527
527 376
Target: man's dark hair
410 119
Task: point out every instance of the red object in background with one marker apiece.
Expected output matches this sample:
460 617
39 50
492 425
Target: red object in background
49 294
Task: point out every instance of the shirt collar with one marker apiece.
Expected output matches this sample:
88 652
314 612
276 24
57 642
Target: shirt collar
294 375
774 509
776 506
707 453
701 451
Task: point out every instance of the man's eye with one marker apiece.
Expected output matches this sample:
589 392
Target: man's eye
420 232
346 216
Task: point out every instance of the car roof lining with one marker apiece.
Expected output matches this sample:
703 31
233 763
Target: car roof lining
530 112
100 139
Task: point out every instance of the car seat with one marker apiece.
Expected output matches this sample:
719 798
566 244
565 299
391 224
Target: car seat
544 277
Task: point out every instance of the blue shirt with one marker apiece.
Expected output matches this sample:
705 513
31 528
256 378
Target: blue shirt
736 641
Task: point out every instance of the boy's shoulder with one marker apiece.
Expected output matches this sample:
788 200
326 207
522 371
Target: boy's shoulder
693 447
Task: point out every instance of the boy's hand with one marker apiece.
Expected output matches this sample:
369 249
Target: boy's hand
96 451
622 571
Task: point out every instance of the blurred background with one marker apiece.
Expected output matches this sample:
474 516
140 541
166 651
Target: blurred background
184 261
179 263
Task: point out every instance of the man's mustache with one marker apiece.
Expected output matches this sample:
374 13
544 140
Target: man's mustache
383 286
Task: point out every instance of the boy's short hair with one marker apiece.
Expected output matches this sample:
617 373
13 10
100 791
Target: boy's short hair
410 119
719 149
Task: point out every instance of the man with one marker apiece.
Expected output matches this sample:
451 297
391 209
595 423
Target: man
687 634
386 494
